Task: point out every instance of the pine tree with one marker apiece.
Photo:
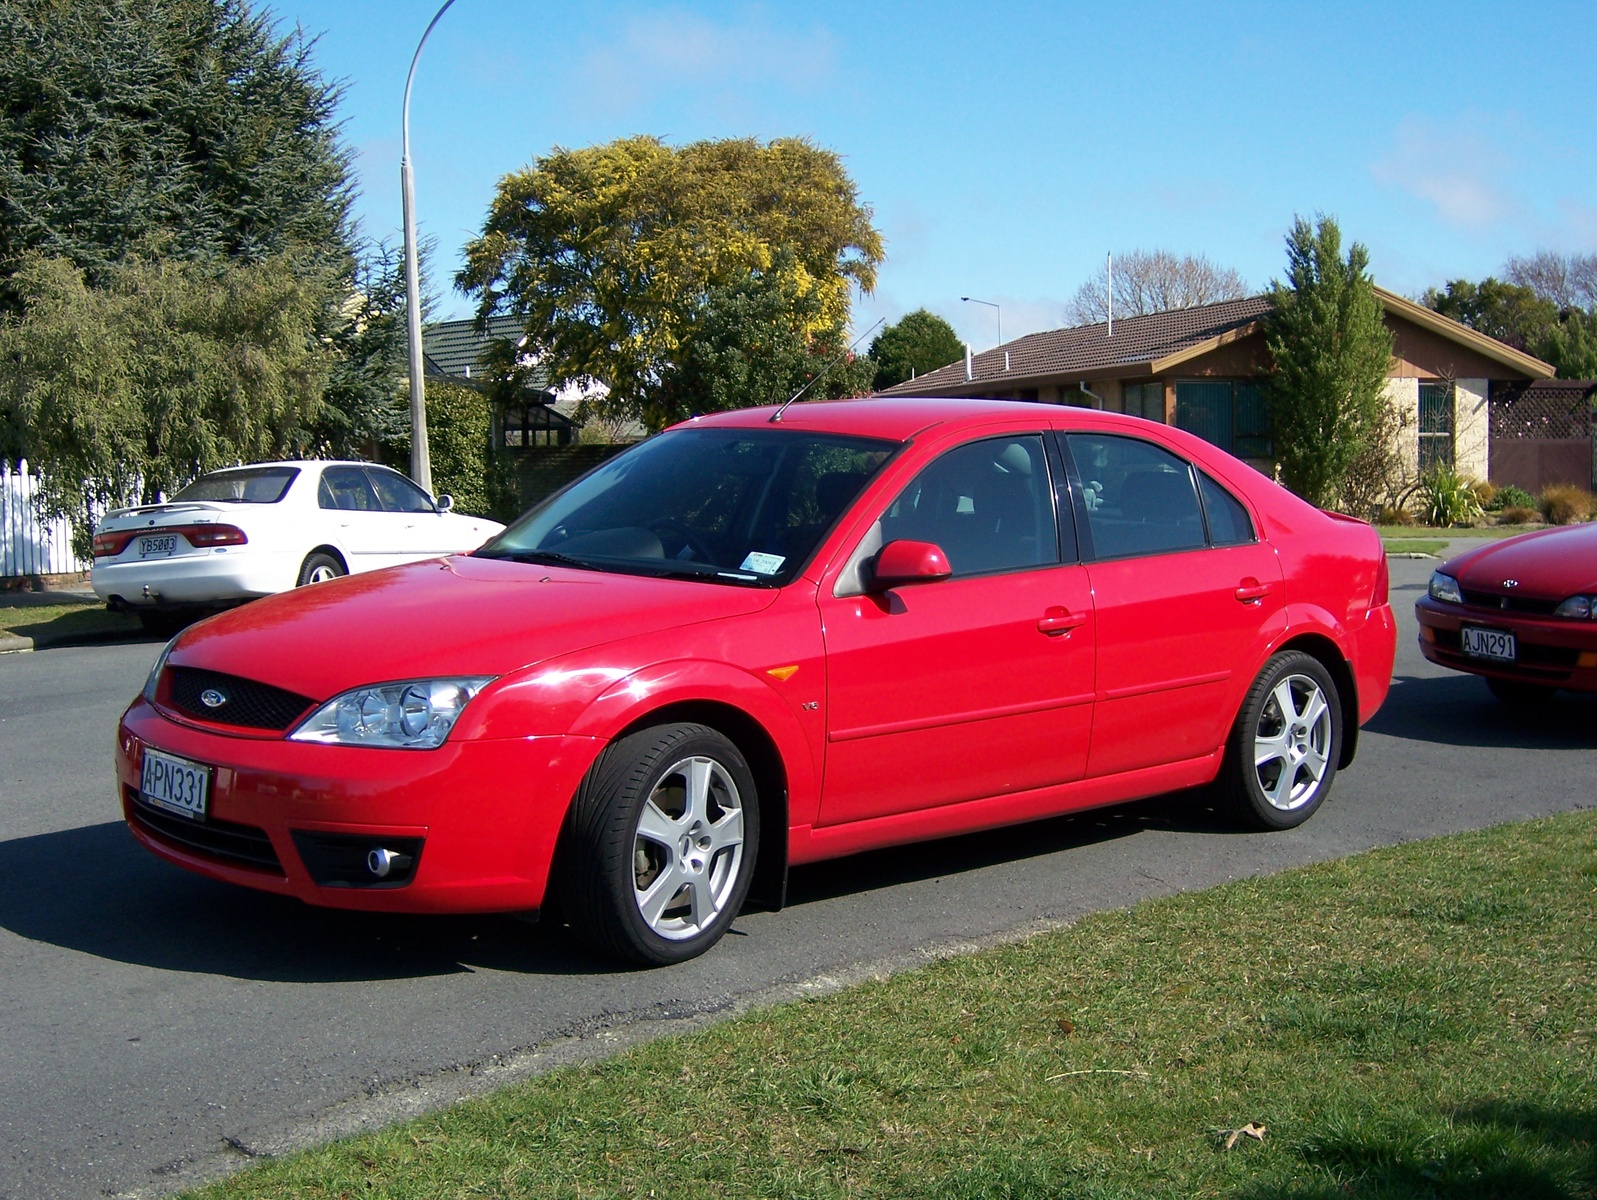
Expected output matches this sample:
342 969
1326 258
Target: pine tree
1331 349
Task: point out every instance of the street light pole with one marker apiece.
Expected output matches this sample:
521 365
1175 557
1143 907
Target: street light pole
996 308
421 467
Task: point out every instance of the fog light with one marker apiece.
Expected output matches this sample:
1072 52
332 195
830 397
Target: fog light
1588 658
382 862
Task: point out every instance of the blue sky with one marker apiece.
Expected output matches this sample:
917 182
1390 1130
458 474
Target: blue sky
1005 147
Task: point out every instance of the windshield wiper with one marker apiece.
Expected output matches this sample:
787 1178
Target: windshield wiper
545 557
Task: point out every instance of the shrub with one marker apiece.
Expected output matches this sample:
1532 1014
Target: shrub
1565 504
1485 494
1391 514
1449 499
1509 496
1518 514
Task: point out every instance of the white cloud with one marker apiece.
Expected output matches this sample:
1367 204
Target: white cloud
674 49
1455 169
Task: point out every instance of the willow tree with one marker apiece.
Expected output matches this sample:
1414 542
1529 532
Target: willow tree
617 258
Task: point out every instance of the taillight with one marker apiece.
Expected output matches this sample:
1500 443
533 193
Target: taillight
109 545
210 535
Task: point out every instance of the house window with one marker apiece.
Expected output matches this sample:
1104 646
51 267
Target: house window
1144 400
1229 413
1436 425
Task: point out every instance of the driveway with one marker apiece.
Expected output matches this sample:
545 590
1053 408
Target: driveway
159 1028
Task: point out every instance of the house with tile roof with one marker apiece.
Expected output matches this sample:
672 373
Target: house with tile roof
1201 368
457 352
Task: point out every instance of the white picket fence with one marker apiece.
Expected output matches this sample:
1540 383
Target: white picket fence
29 545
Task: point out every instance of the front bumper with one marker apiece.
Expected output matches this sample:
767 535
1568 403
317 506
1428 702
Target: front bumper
483 815
1551 651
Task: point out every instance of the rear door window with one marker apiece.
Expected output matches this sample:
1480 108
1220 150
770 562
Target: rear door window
1140 499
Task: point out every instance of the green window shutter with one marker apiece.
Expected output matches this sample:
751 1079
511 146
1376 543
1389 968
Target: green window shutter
1205 409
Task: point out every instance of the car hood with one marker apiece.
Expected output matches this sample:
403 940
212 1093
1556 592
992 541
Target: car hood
1550 564
448 616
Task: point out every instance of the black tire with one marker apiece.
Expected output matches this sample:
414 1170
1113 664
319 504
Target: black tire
318 567
611 871
1521 695
1261 795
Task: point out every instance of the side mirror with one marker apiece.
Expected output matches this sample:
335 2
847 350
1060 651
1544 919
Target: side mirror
909 562
445 503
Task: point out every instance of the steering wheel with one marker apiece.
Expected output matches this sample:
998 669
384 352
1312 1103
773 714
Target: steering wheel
663 527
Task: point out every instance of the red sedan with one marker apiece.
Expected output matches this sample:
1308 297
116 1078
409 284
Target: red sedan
763 639
1522 613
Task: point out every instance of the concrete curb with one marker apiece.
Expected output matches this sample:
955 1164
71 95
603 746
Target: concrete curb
14 643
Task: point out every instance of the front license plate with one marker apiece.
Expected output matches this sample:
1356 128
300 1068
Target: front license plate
175 784
158 547
1488 643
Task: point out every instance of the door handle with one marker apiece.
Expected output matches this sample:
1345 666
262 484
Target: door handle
1058 619
1251 591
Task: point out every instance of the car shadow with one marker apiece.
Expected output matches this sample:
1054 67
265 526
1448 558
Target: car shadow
95 890
1457 710
1189 811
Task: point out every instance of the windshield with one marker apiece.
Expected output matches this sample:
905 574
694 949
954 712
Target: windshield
248 485
740 506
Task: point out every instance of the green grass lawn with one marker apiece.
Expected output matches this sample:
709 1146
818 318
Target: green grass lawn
1412 1022
49 621
1490 531
1413 546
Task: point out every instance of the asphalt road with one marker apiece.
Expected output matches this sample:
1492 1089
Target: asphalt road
156 1028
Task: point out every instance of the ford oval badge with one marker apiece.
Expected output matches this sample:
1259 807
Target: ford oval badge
212 698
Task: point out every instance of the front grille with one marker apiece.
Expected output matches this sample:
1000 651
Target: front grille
245 702
236 845
1503 602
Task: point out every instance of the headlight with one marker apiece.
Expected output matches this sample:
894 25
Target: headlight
1445 588
415 714
1582 607
153 680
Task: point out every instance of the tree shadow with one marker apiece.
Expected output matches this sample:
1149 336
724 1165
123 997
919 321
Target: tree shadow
97 891
1457 710
1491 1150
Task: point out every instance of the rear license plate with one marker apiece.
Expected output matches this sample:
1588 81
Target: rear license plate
1488 643
158 547
175 784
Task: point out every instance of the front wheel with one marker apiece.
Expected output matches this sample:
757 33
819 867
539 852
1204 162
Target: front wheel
660 845
1284 747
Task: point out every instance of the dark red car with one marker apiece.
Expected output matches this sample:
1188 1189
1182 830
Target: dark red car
1521 613
750 643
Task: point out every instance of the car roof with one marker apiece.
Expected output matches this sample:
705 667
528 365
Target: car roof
299 463
896 417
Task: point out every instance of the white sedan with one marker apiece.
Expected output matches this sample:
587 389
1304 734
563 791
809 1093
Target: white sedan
243 532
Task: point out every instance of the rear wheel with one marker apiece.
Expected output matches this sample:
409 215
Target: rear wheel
1282 756
660 845
319 567
1520 695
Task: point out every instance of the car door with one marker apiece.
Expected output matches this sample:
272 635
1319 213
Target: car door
1184 594
415 528
976 685
350 503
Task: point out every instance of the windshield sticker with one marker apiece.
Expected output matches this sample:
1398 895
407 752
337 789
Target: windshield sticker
763 564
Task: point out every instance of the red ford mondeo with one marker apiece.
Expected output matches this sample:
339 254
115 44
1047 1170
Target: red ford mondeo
761 639
1521 612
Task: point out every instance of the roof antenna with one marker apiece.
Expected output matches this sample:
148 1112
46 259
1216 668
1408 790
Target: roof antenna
824 371
1109 268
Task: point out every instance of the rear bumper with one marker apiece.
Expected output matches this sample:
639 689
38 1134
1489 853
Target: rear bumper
1375 654
209 577
483 816
1549 651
